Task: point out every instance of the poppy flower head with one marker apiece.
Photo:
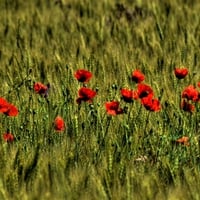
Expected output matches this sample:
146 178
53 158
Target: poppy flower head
85 94
150 103
144 90
12 111
59 124
186 106
83 75
137 76
8 108
41 89
183 140
3 105
8 137
190 93
113 108
180 73
127 95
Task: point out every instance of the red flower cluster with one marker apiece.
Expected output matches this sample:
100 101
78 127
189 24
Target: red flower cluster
143 92
59 124
41 89
85 94
180 73
83 75
113 108
8 137
7 108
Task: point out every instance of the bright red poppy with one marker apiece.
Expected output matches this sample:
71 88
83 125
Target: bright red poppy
40 88
137 76
83 75
183 140
150 103
187 106
85 94
59 124
190 93
127 95
144 90
8 137
12 111
8 108
3 105
180 73
113 108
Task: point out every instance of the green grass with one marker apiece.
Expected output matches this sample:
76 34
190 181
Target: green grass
97 156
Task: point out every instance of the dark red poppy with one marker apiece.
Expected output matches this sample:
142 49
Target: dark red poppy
150 103
59 124
137 76
12 111
83 75
180 73
113 108
198 84
40 88
3 105
8 137
186 106
183 140
190 93
85 94
144 90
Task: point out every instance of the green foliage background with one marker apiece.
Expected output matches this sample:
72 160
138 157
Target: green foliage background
97 156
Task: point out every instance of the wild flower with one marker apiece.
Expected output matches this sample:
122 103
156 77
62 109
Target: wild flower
183 140
8 137
180 73
113 108
85 94
8 108
137 76
41 89
83 75
151 103
59 124
190 93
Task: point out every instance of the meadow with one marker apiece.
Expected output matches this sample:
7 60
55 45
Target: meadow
132 153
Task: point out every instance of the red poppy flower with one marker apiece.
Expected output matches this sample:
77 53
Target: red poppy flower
3 105
83 75
190 93
137 76
12 111
198 84
112 108
186 106
8 108
40 88
85 94
183 140
59 124
8 137
127 95
144 90
180 73
150 103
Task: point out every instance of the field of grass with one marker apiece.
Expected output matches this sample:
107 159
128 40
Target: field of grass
133 155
